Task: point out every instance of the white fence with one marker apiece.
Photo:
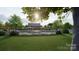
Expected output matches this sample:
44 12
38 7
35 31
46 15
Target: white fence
41 32
37 33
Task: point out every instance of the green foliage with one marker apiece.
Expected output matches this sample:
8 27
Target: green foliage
65 31
15 22
7 25
67 26
57 24
2 33
43 11
1 25
50 25
14 33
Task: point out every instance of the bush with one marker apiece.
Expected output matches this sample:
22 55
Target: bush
2 33
14 33
66 31
58 32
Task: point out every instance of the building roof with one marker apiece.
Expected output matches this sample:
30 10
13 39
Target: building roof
34 24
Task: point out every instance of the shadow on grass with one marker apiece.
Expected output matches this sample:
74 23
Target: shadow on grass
34 35
67 35
2 38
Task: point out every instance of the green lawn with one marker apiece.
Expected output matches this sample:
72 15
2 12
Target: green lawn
35 43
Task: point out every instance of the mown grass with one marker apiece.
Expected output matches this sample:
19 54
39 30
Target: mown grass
36 43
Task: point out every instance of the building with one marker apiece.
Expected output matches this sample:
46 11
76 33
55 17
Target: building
34 27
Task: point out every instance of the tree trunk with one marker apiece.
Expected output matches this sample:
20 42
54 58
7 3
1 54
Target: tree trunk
75 45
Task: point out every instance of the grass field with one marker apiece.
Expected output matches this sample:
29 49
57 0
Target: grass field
36 43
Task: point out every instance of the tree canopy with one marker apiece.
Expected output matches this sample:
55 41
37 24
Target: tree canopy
57 24
43 12
67 26
15 21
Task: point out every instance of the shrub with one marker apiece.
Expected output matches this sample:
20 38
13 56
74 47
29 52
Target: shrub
2 33
58 31
66 31
14 33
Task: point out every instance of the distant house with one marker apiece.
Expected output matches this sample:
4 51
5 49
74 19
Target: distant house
34 27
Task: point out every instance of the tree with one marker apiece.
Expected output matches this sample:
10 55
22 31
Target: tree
43 12
1 25
67 26
15 22
58 10
57 24
7 25
75 45
50 25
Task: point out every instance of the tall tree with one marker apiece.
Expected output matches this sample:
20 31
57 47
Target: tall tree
15 22
44 11
75 45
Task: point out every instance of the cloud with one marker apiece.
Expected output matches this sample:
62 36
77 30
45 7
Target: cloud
3 18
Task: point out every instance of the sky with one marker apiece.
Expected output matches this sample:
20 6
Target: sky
6 12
